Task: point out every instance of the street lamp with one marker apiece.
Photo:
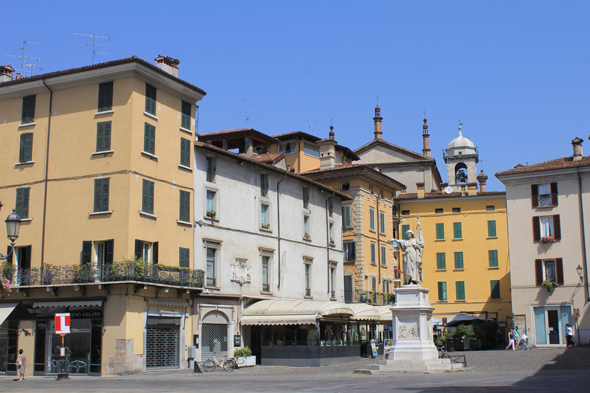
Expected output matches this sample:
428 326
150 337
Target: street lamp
580 271
12 230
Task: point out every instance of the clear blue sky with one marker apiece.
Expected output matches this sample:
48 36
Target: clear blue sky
514 72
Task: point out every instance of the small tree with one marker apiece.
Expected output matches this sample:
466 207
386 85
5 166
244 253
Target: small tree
463 331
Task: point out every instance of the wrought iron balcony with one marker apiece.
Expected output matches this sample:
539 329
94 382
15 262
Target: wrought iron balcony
116 272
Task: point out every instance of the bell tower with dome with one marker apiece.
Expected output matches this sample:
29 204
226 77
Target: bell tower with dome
461 157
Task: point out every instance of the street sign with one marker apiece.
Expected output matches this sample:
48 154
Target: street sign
62 323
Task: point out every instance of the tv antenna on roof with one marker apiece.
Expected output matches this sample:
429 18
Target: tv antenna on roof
94 44
246 111
23 57
309 122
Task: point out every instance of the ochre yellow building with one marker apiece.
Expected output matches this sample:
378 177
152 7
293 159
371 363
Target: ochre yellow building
465 262
98 161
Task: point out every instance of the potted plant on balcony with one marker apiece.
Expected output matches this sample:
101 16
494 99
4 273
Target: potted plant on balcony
5 286
547 239
211 213
306 236
332 242
549 286
266 226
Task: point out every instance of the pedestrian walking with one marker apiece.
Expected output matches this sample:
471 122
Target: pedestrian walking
21 365
569 335
511 340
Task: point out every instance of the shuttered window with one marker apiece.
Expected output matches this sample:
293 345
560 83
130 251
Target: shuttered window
105 96
185 121
460 287
28 114
305 197
22 202
373 253
150 99
210 169
495 287
147 203
440 231
384 256
382 223
26 147
544 194
492 228
184 257
541 273
371 219
405 228
346 217
442 290
459 260
349 249
457 230
149 139
101 195
185 206
441 261
493 258
103 136
348 289
263 184
185 152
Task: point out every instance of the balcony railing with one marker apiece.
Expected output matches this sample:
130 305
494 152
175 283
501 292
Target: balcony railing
108 273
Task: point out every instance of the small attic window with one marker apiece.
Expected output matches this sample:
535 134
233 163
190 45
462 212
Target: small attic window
456 210
439 211
345 186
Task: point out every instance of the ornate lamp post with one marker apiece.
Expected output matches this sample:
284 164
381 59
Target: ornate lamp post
12 230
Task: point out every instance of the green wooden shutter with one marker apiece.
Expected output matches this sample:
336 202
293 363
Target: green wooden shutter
149 140
105 96
184 255
457 232
185 212
9 252
110 251
405 228
28 113
147 199
185 152
86 252
97 195
441 263
26 147
442 291
460 287
440 231
493 258
105 195
495 284
186 115
138 249
155 253
150 99
103 136
459 260
348 289
22 202
492 228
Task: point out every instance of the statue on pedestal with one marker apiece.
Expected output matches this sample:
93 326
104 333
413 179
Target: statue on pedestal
413 248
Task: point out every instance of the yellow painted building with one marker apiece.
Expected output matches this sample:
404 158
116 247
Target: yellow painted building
465 262
98 161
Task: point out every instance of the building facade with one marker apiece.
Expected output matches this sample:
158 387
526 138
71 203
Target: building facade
548 243
98 163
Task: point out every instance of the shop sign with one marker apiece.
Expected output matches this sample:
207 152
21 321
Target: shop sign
62 323
87 314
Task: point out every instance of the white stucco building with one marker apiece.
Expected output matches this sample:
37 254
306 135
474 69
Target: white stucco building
548 222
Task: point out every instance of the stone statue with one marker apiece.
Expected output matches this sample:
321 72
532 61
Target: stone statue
413 247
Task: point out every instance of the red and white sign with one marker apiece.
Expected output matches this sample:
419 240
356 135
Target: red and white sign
62 323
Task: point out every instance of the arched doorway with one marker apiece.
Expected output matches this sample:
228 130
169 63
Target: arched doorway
215 331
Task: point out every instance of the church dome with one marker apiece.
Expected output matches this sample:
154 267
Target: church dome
461 145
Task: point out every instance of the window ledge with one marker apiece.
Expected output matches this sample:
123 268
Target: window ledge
493 267
439 240
266 229
372 230
492 237
24 163
443 301
266 293
150 215
104 112
150 155
308 297
307 239
100 213
460 301
459 238
150 115
545 207
26 219
213 288
211 218
27 125
96 153
440 270
459 270
190 224
186 168
185 130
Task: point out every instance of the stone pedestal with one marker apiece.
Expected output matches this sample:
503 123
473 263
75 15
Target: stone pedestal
412 325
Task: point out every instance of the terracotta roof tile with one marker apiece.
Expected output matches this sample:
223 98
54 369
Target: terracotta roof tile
335 168
227 131
434 195
268 158
559 163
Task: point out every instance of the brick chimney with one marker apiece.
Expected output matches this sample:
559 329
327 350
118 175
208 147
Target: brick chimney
328 151
378 119
577 143
6 73
168 64
426 141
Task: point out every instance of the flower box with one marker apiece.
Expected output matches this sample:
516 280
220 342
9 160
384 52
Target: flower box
547 239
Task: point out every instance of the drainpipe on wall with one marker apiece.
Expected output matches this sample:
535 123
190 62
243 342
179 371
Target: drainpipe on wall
328 239
582 227
46 177
279 230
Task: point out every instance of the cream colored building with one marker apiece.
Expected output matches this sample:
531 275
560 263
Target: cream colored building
98 162
548 225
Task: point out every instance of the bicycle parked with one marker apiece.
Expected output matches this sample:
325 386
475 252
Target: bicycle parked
228 364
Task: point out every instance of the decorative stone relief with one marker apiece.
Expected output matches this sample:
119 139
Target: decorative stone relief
429 328
408 330
240 272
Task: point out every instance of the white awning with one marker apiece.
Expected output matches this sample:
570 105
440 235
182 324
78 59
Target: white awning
5 310
168 302
364 312
68 303
292 312
385 314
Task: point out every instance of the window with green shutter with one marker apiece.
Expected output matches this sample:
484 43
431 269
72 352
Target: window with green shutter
493 257
492 228
457 231
185 152
22 202
442 290
103 136
147 203
440 231
150 99
441 261
460 287
373 253
185 121
26 147
405 228
101 195
185 206
382 223
105 96
346 216
495 286
371 219
459 260
183 257
149 139
28 114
